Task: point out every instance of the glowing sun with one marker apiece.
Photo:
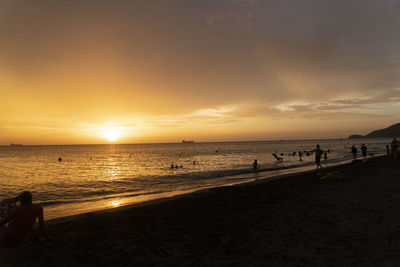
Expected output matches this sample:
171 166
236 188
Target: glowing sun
112 134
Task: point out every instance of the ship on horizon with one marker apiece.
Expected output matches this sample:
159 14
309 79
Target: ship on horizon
187 141
15 144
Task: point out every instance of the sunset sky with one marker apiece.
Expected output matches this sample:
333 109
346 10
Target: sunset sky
77 72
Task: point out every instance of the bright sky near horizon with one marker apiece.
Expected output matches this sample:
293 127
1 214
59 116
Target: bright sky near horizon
123 71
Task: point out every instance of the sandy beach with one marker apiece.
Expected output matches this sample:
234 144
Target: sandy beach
294 221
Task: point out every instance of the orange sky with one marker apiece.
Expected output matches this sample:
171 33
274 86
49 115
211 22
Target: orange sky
74 72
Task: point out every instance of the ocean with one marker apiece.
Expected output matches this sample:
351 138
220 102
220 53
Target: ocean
96 177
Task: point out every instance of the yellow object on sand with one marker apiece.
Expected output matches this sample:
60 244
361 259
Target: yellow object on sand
334 175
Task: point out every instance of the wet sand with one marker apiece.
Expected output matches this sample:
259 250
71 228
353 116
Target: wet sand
296 220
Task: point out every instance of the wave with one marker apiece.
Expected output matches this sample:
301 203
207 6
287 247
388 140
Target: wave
168 183
103 197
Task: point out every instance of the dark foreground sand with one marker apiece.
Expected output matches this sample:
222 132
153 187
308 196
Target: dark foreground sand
294 221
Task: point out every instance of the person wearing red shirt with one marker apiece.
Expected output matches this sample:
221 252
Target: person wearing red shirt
18 224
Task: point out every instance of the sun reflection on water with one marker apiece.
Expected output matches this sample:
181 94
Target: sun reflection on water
116 203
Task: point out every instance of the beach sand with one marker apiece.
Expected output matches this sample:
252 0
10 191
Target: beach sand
296 220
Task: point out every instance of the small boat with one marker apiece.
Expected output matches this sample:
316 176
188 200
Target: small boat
187 141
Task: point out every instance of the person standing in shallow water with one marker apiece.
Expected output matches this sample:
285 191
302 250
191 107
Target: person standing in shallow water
354 152
318 154
255 165
394 148
364 151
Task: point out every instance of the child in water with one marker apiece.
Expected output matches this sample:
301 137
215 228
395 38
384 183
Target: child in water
255 165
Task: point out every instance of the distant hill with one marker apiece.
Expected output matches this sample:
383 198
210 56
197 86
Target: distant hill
356 136
391 131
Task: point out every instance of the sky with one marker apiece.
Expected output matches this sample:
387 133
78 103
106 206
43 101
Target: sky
99 71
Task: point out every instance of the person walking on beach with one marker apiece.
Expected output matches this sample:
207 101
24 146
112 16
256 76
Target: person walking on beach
394 147
364 151
21 220
318 154
255 165
354 152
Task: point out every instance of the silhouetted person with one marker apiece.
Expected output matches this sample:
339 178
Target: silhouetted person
364 151
318 153
394 147
21 220
194 162
325 156
172 166
255 165
354 152
300 156
276 156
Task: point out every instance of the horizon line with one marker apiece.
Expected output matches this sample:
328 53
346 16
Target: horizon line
195 142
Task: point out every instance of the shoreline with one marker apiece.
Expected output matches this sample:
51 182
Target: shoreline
285 221
237 179
156 201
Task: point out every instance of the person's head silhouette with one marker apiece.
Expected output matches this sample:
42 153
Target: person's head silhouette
25 198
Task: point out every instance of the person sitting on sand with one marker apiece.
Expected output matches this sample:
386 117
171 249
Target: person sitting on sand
21 220
318 154
364 151
255 165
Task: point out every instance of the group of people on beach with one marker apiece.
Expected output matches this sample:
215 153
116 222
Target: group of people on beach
319 153
300 154
393 151
16 221
354 151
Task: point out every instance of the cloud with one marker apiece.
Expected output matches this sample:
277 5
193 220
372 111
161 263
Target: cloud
244 19
177 63
211 112
249 2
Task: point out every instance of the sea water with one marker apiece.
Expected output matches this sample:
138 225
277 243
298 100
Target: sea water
73 179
